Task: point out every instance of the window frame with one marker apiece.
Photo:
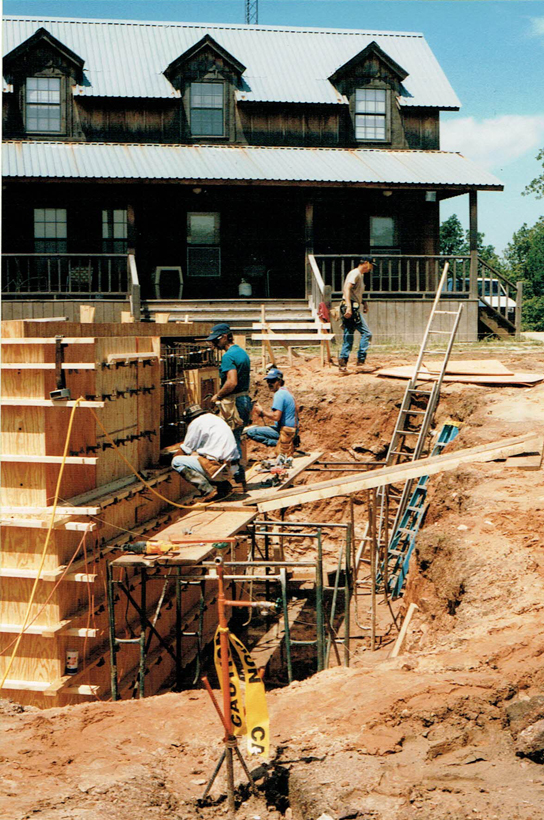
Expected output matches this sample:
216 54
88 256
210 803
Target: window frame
386 115
214 247
109 243
192 108
45 240
395 247
61 105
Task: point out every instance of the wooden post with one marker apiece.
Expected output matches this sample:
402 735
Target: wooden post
519 305
372 522
473 243
86 313
403 630
126 317
162 318
309 243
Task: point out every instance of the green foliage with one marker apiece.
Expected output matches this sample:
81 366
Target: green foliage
454 241
532 314
525 259
536 187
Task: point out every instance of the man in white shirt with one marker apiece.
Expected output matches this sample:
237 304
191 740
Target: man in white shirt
352 311
209 453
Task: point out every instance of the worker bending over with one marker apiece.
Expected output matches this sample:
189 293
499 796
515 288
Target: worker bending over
351 311
283 432
233 395
209 453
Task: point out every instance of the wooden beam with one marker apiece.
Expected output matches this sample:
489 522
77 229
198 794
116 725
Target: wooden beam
21 458
399 473
38 340
47 366
49 403
61 510
43 686
403 630
39 524
130 357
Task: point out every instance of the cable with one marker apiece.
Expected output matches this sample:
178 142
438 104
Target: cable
144 482
46 542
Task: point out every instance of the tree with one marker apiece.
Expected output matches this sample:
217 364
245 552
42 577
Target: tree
536 187
525 258
456 242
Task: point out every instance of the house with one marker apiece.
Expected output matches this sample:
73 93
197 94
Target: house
159 164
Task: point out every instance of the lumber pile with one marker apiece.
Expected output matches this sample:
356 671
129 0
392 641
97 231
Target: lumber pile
465 372
117 370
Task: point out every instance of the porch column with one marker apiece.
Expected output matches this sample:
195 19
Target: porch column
308 243
473 243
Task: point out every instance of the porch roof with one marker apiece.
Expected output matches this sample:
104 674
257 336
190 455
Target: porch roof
244 165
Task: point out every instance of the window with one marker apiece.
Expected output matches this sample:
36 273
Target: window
203 251
50 230
207 110
43 111
383 233
114 230
370 114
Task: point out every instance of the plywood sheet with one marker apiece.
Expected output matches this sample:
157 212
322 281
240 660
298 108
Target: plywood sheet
407 372
483 367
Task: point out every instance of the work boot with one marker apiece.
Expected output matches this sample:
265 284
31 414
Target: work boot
223 489
342 364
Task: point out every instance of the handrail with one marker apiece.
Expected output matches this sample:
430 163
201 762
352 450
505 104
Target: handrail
506 303
317 285
134 292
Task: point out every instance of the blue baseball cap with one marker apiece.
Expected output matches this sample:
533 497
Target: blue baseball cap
218 330
273 374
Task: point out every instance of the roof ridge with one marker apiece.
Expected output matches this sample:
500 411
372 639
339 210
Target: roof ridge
224 26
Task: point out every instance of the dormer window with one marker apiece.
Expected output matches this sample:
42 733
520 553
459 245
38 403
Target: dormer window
207 109
43 105
371 120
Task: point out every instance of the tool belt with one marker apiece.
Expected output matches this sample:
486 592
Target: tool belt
355 312
210 465
286 441
229 412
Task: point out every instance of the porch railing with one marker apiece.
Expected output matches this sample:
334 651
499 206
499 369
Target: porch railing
316 285
403 275
65 275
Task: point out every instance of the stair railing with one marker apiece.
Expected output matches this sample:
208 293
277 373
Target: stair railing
134 288
317 285
501 296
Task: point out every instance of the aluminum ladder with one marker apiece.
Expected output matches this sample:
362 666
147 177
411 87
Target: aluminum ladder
412 428
394 569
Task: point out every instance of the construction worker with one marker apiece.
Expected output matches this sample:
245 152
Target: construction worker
209 453
351 311
233 395
283 432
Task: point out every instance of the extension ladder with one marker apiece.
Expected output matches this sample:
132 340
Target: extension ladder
394 568
412 428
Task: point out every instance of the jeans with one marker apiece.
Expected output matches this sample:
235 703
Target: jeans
243 405
350 326
192 471
264 435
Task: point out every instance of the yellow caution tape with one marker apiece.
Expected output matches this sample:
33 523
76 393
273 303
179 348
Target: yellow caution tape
237 714
254 712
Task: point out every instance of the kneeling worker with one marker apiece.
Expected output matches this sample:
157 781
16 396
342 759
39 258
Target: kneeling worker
209 453
284 415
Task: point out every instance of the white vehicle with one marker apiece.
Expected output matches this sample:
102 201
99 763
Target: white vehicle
496 295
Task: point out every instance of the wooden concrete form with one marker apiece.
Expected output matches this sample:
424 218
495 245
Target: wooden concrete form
102 503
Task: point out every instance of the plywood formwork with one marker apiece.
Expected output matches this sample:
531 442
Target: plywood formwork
102 503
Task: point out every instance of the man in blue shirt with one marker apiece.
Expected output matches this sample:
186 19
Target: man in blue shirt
233 395
283 415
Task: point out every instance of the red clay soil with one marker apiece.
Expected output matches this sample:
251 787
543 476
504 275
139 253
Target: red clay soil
449 730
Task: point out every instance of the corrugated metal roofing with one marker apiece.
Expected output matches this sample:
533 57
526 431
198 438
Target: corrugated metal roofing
242 164
290 65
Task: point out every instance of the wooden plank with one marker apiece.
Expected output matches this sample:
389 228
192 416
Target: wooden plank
407 372
33 629
290 326
87 313
291 337
47 366
208 524
130 357
62 509
256 480
484 367
74 340
403 630
39 524
399 473
34 459
22 402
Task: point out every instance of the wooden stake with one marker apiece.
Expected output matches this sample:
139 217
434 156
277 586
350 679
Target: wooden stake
403 630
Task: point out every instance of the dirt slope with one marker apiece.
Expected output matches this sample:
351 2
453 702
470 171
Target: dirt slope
431 734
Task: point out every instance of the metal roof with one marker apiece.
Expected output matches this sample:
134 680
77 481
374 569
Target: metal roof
289 65
252 164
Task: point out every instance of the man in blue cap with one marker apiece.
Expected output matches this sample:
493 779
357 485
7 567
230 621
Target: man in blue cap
284 417
233 395
351 311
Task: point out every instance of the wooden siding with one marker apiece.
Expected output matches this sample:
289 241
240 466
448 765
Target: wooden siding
421 128
288 125
107 310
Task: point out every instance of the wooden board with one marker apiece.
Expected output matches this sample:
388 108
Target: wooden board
206 524
256 481
485 367
399 473
22 328
407 372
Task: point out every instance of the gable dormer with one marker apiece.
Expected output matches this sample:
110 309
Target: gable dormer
372 81
42 71
206 77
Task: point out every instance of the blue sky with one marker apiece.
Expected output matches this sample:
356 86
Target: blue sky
492 51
